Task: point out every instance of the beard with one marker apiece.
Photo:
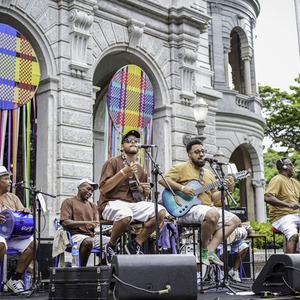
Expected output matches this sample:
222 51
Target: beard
198 162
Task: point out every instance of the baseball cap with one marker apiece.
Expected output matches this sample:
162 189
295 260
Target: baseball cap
3 171
131 132
86 180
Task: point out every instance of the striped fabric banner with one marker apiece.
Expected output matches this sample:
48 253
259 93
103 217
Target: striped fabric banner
19 69
130 105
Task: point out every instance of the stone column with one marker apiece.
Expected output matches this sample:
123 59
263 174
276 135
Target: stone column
259 187
226 67
247 75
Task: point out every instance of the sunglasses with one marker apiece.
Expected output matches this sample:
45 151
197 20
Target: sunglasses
198 151
129 140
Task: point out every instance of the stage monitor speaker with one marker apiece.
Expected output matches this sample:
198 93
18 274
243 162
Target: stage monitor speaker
165 276
280 274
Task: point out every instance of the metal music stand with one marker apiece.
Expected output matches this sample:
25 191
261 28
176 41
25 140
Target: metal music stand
224 283
35 202
156 171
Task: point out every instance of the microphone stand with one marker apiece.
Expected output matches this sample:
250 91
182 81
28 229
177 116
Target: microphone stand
35 202
156 171
224 283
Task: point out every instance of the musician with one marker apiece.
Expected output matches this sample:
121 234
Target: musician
283 195
24 246
205 214
236 243
80 217
119 200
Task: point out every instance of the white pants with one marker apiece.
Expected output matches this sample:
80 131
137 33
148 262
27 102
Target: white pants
20 245
288 225
140 211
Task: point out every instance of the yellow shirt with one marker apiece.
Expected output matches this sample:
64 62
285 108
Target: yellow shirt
284 189
183 173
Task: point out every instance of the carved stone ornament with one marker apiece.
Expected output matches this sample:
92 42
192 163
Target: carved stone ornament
187 56
5 3
80 24
135 32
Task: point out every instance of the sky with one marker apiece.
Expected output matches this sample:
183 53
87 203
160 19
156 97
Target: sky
276 50
276 44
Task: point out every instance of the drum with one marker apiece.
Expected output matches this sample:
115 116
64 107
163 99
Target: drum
232 238
18 225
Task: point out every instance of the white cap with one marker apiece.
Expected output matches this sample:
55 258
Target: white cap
86 180
3 171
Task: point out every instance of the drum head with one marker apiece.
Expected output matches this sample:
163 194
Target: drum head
7 227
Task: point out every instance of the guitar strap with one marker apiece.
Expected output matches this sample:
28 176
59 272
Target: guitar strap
201 175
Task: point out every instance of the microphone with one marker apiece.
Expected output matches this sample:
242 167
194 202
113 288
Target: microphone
145 146
212 160
15 185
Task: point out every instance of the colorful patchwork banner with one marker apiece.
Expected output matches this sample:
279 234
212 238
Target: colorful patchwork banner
130 99
19 69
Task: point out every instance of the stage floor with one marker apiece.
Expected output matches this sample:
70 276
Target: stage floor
232 291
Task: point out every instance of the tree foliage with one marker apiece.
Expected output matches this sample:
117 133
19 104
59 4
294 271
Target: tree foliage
282 112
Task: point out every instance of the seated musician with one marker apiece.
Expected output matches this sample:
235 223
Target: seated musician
237 243
123 188
203 212
24 246
80 216
283 196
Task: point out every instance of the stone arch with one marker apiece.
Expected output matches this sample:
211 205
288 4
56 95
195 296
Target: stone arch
46 102
107 65
240 50
245 157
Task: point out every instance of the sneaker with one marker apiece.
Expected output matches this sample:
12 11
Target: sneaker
17 286
234 275
204 257
110 252
133 248
213 258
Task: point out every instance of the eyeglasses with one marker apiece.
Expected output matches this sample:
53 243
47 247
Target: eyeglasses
290 164
129 140
198 151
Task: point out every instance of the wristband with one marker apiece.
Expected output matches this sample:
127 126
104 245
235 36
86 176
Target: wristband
182 187
122 172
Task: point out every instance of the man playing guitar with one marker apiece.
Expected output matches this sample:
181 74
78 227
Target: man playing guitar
203 213
122 201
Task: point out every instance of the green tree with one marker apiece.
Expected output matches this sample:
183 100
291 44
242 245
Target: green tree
282 112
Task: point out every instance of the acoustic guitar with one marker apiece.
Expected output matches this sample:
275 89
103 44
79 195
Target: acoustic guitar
179 205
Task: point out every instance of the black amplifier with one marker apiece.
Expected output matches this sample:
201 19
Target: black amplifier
79 283
241 212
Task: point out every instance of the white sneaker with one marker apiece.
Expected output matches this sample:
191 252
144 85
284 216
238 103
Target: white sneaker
17 286
234 275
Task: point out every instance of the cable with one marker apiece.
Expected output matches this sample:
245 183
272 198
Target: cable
165 291
291 288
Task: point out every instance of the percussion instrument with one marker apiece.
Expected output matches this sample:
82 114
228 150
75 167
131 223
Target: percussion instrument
18 225
232 238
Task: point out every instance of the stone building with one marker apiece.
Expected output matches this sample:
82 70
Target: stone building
195 52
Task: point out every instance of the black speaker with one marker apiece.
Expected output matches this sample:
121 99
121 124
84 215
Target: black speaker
165 276
280 274
46 260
